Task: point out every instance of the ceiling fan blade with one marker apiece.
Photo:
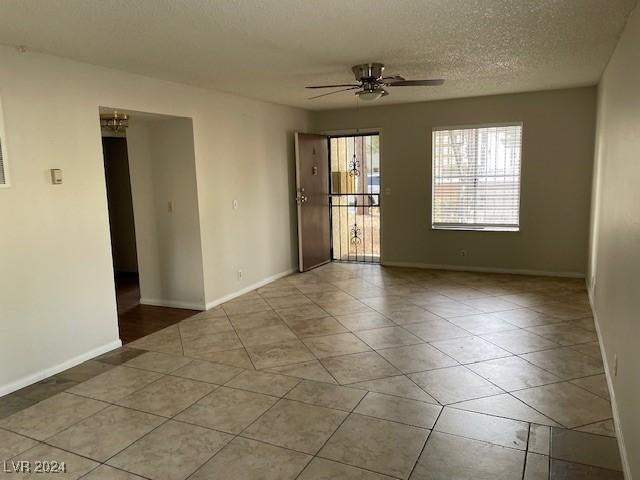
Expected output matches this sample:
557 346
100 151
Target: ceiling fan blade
355 87
393 78
334 86
415 83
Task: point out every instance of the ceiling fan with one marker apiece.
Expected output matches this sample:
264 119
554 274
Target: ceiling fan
372 83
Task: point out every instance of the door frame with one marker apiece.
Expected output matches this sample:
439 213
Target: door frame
296 167
352 132
137 117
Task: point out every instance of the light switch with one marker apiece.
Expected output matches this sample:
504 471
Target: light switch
235 204
170 206
56 176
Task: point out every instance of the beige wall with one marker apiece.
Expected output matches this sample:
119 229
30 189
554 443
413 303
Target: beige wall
57 302
556 179
162 163
615 237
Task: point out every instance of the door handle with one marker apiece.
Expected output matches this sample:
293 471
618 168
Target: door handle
301 197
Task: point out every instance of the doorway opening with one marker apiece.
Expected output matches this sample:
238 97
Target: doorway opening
354 198
121 223
154 224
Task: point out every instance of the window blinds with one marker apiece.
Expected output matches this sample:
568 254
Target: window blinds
476 178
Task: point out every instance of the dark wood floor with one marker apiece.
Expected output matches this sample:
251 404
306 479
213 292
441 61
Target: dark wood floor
136 320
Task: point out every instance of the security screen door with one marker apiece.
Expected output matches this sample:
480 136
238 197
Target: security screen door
355 198
312 197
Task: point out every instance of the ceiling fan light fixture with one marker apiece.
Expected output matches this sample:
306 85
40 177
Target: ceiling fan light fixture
370 95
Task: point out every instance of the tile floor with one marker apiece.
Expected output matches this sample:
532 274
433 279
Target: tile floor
349 371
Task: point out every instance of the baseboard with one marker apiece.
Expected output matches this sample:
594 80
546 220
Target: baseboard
249 288
614 405
465 268
47 372
42 374
160 302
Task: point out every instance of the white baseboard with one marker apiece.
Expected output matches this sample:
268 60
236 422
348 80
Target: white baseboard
47 372
160 302
465 268
42 374
626 468
249 288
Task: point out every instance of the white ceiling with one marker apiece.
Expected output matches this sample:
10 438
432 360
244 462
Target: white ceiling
271 49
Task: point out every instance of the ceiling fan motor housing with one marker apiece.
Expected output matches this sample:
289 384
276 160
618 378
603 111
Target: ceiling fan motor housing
368 72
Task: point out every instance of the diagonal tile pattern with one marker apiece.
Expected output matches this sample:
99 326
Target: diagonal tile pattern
101 436
227 409
454 384
244 458
387 447
327 395
11 444
348 371
166 397
52 415
397 409
448 456
75 466
173 450
486 428
417 358
297 426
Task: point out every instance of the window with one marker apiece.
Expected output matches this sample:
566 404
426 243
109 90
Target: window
476 178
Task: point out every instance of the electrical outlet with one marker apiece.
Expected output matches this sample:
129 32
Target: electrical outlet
615 364
240 274
463 253
170 206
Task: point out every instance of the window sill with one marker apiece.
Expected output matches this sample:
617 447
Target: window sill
465 228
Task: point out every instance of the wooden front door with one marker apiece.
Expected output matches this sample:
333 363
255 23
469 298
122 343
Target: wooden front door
312 197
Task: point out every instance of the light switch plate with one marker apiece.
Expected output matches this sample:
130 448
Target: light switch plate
56 176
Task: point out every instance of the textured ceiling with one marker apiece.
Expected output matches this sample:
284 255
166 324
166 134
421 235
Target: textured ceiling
271 49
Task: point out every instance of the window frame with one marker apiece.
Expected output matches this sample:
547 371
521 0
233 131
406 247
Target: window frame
3 146
481 227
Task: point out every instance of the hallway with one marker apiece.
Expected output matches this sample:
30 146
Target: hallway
136 320
348 371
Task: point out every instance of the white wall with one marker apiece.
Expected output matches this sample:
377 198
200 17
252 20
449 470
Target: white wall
57 302
254 165
557 157
162 168
615 235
